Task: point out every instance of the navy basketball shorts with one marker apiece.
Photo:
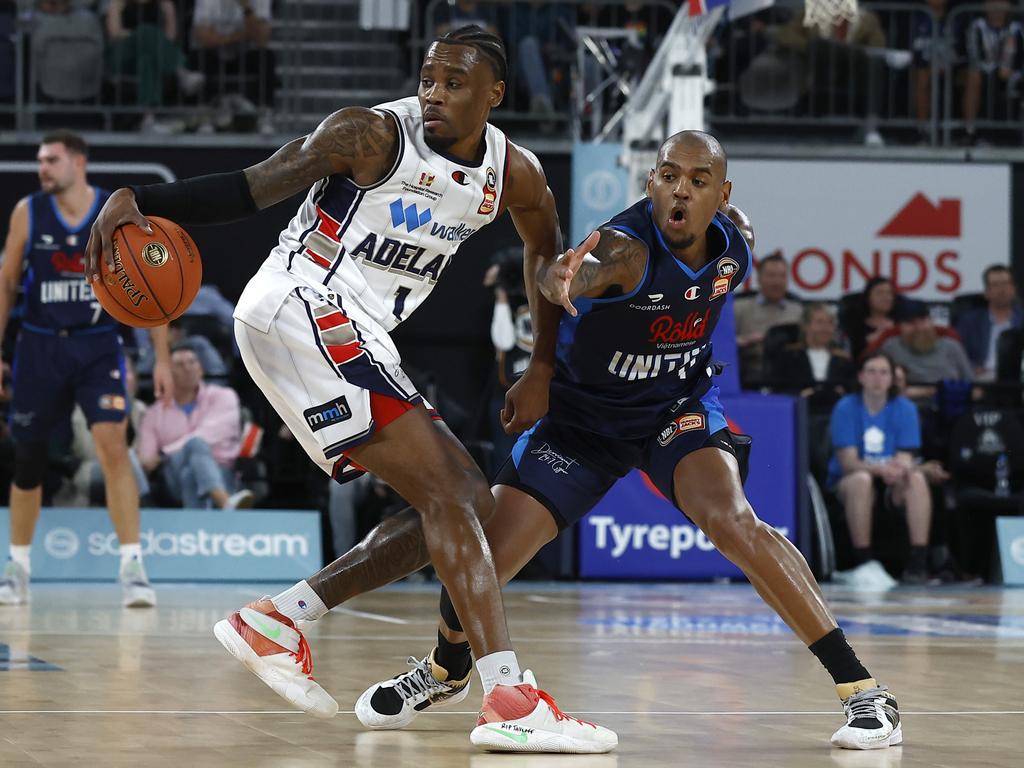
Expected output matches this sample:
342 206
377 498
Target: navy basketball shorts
52 372
569 470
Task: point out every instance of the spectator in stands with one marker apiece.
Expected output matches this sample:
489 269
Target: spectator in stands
541 33
875 433
993 44
195 437
512 337
87 486
755 314
816 368
872 316
143 38
933 47
928 357
241 71
979 328
210 358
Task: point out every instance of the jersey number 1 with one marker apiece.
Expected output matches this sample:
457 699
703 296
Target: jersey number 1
400 296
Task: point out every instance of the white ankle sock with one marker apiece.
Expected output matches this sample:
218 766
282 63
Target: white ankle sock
300 602
130 552
501 668
20 555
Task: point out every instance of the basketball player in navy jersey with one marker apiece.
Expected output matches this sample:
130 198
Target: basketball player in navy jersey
633 388
68 351
391 193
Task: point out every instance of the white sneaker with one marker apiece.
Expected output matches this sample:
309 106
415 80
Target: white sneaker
521 718
270 647
866 577
872 721
242 499
135 589
395 703
14 584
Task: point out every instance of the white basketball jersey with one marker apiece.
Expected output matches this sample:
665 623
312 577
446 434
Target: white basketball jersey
387 245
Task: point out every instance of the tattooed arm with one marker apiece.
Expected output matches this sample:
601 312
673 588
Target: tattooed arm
615 266
354 142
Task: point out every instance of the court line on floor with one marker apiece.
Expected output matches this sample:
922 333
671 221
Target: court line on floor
367 615
656 713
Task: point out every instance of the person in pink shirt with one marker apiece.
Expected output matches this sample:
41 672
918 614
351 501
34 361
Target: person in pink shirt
195 438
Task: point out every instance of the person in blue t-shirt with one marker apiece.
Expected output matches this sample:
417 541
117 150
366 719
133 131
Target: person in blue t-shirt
875 433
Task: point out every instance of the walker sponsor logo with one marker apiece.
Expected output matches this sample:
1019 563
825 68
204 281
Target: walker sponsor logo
620 539
931 228
203 543
179 544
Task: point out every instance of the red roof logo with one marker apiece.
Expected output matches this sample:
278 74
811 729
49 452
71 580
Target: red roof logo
921 218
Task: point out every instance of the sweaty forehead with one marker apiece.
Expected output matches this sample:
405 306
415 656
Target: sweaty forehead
448 55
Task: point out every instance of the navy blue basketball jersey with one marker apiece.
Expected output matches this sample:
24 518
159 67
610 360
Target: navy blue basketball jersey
57 295
623 363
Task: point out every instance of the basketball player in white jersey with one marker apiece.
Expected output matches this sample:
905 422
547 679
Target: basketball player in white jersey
393 191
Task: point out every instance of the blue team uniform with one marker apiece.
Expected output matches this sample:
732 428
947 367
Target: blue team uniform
633 376
68 349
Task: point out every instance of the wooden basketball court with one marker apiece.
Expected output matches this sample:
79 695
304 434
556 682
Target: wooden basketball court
689 675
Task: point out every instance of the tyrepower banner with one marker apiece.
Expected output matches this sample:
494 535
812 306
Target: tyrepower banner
177 544
635 533
930 227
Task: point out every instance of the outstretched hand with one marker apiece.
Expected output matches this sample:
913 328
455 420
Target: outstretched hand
558 279
119 209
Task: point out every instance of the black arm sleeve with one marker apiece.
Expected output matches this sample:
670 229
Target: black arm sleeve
218 198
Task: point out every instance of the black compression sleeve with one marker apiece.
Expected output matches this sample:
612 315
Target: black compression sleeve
214 199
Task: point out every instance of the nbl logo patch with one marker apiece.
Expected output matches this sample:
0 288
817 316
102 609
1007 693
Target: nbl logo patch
685 423
322 416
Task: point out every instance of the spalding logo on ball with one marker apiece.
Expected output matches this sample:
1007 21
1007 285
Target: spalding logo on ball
155 276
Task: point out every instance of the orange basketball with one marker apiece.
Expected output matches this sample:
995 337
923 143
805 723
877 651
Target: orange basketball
155 276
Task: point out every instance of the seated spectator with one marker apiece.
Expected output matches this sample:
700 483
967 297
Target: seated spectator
196 438
928 357
817 368
993 66
979 328
143 43
873 315
874 435
209 357
770 306
232 38
540 33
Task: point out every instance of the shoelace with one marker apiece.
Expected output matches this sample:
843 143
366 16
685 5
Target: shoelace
416 681
559 714
862 705
304 657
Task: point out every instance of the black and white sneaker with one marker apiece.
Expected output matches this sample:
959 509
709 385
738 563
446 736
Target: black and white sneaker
872 721
395 703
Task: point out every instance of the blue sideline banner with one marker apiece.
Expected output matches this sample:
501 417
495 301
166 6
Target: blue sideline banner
1010 531
634 533
599 187
177 544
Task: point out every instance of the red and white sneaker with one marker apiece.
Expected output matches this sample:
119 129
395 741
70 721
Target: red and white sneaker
270 646
521 718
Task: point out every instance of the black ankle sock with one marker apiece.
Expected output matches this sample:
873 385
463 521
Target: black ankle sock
836 655
454 657
918 559
862 555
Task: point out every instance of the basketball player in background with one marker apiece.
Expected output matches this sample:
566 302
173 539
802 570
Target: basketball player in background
632 389
393 191
68 351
